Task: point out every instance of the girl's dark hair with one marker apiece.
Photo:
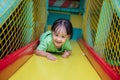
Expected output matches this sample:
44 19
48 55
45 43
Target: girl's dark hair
63 22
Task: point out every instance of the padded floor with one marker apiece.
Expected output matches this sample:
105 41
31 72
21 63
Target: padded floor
76 67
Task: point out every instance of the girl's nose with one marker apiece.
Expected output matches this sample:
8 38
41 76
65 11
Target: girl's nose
58 39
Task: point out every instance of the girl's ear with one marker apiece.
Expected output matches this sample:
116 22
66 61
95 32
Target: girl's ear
69 36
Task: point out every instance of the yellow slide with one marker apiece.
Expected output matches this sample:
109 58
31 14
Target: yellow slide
76 67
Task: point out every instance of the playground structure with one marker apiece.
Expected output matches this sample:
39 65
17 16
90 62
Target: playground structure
23 21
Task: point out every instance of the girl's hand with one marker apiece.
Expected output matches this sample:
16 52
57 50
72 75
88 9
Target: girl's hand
66 54
45 54
51 57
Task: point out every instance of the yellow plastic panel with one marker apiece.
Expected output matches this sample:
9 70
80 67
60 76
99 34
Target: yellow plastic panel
76 67
49 27
76 20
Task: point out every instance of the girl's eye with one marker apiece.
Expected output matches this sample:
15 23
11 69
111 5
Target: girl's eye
63 36
56 34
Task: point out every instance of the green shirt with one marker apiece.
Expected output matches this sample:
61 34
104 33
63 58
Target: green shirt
46 44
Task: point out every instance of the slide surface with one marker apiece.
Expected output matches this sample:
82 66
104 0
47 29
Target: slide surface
76 67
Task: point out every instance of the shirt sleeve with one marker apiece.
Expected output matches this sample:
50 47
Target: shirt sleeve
42 46
43 41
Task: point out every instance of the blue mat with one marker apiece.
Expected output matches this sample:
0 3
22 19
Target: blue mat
77 33
54 16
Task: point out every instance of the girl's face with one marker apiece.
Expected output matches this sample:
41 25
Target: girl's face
59 36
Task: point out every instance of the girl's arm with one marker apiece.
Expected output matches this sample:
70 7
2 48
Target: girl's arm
66 54
45 54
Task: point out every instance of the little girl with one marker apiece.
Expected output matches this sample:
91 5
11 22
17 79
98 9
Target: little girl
57 40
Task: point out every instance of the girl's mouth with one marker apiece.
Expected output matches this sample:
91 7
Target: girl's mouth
58 42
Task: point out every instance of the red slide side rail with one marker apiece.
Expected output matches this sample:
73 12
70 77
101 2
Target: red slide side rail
11 58
105 66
